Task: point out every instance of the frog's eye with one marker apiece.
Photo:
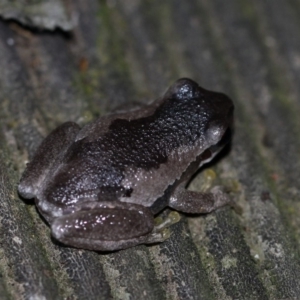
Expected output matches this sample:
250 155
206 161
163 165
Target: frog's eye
183 88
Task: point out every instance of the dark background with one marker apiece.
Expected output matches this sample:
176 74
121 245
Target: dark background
118 52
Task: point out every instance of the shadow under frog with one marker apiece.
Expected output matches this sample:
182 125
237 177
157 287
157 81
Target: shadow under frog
100 187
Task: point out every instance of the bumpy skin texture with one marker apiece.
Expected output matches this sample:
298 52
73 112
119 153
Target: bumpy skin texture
99 187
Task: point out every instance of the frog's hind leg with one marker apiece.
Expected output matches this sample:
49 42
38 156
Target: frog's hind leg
107 226
47 158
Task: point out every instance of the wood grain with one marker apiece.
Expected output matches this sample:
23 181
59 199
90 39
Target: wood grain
122 52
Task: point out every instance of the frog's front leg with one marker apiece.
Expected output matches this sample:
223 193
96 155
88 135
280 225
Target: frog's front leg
198 202
106 226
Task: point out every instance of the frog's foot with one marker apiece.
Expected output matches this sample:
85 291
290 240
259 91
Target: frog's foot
161 232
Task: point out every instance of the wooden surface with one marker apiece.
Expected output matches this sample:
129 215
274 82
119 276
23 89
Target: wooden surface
127 51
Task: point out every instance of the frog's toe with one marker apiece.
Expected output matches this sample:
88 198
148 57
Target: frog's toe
161 232
172 218
158 236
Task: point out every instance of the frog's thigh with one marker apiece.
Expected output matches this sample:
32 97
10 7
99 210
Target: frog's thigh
197 202
105 226
46 157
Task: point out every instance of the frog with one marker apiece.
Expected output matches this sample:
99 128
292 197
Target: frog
100 187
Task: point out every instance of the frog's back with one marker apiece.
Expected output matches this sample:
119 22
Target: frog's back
136 159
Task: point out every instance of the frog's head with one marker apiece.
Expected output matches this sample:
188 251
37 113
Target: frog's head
210 112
